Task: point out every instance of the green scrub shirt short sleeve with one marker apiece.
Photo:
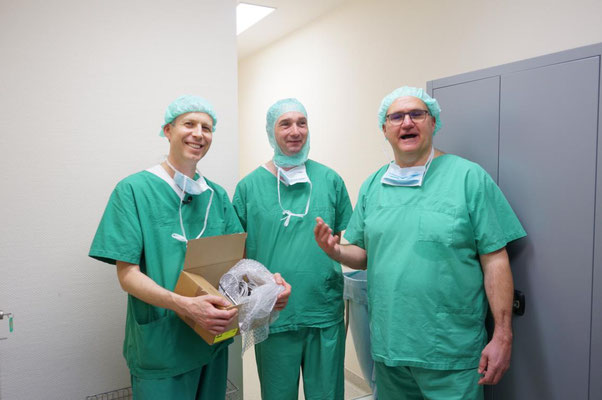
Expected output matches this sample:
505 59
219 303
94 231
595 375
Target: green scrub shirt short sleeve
343 209
239 202
137 227
119 235
423 245
494 222
291 250
356 228
232 222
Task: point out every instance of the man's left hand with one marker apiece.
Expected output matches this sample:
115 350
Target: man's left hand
282 299
495 360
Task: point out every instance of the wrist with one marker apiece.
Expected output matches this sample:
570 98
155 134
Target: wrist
503 335
179 303
336 255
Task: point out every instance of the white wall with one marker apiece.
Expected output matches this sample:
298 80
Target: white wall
343 64
84 85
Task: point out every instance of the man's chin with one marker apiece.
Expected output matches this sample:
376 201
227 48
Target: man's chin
293 151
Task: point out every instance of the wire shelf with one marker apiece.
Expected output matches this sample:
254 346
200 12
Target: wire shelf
232 393
119 394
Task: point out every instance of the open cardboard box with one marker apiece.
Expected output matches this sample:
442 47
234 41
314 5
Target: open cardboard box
207 259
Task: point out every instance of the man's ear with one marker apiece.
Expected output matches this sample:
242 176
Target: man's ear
167 131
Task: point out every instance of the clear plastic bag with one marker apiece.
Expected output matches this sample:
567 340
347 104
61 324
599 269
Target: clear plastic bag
251 285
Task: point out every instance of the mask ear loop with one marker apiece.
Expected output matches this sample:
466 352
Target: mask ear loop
207 213
288 213
429 161
311 186
182 237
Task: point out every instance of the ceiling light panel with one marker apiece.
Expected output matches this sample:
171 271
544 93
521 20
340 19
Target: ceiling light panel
248 15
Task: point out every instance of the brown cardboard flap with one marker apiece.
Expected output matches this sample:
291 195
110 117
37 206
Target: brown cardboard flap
193 285
214 250
214 272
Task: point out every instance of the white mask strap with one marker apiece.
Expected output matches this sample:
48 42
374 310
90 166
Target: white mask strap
182 237
288 213
206 214
430 159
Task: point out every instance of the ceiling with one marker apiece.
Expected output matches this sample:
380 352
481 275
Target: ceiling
288 16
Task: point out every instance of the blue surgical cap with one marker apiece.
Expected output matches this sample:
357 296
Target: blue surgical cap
186 104
403 91
274 112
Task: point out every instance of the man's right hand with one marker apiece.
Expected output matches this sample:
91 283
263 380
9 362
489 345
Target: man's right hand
326 240
205 312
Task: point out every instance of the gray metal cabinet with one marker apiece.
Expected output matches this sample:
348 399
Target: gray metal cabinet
538 137
470 116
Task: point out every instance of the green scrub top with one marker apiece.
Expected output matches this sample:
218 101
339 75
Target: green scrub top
136 228
317 283
425 283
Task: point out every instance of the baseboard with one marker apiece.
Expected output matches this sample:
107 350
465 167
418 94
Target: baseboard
357 380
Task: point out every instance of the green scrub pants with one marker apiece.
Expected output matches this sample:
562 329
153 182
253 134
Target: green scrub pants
205 383
413 383
318 352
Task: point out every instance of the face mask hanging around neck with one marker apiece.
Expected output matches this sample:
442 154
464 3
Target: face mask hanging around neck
294 175
193 187
288 213
186 184
410 176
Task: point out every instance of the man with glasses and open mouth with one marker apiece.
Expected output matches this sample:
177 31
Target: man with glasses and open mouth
431 229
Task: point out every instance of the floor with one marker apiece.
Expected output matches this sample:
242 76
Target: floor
353 392
355 387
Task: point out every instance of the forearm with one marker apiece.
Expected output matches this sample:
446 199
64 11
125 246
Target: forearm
139 285
352 256
349 254
499 288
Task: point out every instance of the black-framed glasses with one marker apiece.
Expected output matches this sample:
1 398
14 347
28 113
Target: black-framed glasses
397 118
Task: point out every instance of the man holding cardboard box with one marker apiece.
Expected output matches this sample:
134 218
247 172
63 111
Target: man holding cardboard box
277 204
149 219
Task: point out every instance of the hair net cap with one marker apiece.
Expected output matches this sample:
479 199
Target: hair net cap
274 112
186 104
403 91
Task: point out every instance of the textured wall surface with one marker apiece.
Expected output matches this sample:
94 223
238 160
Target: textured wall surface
84 87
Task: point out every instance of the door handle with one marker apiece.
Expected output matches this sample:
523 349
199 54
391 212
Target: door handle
10 319
518 305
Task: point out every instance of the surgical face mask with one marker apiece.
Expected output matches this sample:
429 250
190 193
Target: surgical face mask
298 176
294 175
410 176
193 187
186 184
